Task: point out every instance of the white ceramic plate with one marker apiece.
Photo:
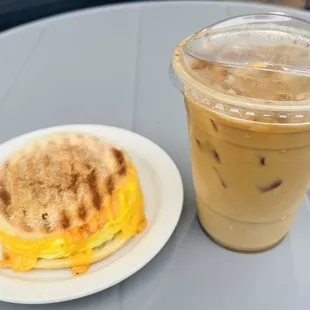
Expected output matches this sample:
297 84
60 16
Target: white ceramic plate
162 187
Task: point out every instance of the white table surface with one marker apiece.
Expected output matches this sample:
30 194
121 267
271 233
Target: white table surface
110 66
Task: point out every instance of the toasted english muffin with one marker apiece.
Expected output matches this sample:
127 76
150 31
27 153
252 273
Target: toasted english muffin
99 253
58 181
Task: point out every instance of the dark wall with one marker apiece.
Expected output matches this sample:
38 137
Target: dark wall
16 12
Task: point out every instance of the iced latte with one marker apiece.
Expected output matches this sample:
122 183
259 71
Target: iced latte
248 108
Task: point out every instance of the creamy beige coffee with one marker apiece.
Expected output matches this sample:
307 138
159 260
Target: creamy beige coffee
249 135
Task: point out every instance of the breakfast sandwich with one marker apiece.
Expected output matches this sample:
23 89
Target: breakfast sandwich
67 199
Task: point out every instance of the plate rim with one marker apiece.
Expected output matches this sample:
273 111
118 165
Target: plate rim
170 221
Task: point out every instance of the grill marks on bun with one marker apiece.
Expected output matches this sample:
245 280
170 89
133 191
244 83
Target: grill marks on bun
92 183
5 196
82 212
121 163
59 181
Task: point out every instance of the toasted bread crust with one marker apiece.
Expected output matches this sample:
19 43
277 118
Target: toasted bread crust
58 181
99 254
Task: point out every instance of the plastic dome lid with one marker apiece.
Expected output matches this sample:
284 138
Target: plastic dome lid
251 64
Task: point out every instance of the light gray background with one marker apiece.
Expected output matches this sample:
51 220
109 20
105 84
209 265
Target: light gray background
110 66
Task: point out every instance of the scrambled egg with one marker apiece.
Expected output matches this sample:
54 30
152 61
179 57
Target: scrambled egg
22 254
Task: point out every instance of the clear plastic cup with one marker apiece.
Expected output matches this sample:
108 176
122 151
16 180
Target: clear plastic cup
246 87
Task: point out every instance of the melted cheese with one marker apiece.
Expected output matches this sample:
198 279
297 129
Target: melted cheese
122 214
